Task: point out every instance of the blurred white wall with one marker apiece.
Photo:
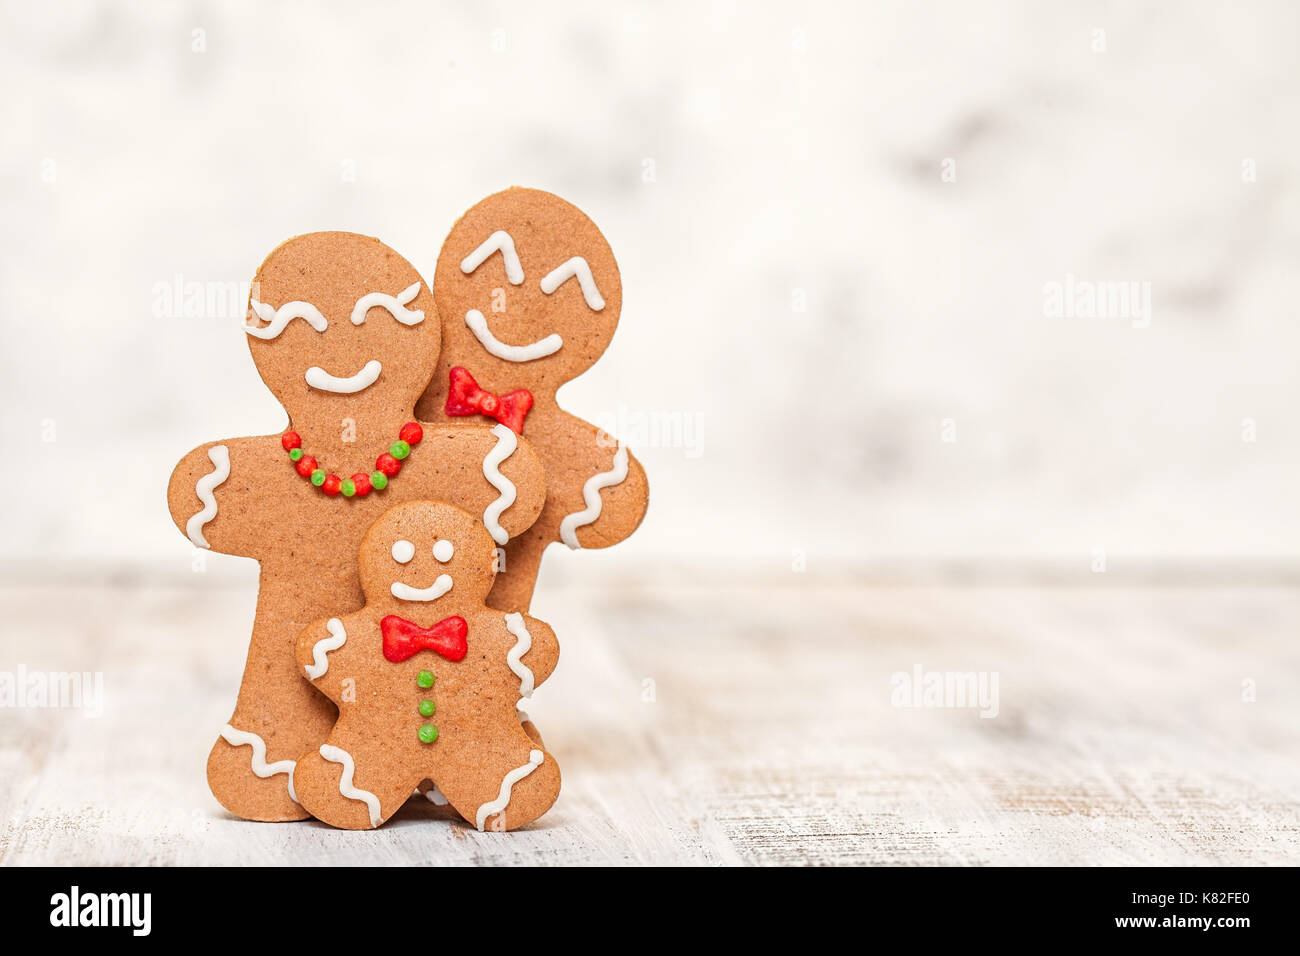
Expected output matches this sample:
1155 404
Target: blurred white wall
803 284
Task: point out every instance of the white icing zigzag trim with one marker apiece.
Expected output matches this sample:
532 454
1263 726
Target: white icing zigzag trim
591 495
395 306
282 316
317 377
504 448
498 240
346 788
523 643
577 266
535 758
547 345
244 738
319 661
219 455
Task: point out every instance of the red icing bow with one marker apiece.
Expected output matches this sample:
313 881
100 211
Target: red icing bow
403 639
466 398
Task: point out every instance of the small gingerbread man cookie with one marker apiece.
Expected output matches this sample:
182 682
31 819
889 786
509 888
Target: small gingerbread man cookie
344 332
529 296
427 679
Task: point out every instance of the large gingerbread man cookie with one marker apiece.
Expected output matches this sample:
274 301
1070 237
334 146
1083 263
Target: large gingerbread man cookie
427 679
529 296
345 334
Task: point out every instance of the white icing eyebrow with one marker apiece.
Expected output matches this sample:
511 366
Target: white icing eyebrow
577 266
498 240
395 306
282 316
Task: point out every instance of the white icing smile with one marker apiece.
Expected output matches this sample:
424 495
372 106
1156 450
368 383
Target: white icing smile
511 353
404 592
317 377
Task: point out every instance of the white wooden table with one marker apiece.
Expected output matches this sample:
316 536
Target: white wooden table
720 724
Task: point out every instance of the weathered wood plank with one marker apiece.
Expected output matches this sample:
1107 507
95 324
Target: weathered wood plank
727 725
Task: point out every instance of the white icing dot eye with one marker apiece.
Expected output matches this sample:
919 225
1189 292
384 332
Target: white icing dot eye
403 551
443 550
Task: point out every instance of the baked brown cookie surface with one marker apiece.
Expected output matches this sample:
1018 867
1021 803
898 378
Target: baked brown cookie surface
346 335
529 295
427 679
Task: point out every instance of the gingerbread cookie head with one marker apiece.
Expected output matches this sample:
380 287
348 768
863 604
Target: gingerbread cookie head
426 556
529 290
341 323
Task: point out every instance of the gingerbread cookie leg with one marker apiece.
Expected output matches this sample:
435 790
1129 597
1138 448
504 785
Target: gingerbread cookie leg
348 782
429 790
515 783
277 717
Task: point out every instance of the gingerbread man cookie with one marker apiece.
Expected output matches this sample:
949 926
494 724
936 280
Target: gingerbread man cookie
345 334
427 679
529 296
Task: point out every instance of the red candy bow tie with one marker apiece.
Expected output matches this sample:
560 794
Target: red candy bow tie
466 398
403 639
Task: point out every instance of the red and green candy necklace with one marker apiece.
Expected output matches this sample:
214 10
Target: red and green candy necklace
387 465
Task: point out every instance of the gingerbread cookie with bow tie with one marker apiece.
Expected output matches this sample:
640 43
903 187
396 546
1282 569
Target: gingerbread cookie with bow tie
529 296
346 335
427 678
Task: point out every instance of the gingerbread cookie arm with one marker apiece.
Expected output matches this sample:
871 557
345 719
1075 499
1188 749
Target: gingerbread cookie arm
210 493
534 653
325 651
614 502
509 489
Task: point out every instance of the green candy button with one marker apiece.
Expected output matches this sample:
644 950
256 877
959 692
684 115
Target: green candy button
318 477
427 708
428 734
349 487
425 679
399 449
295 455
378 480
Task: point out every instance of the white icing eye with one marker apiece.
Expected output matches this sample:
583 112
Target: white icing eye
443 550
279 318
575 267
396 305
499 240
403 551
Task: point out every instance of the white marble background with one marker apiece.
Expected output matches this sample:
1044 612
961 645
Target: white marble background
799 278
